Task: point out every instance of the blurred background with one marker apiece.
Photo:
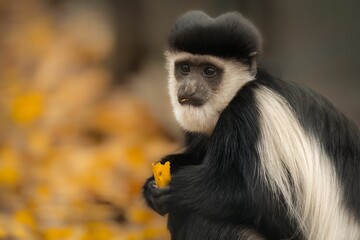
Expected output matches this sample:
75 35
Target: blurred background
84 109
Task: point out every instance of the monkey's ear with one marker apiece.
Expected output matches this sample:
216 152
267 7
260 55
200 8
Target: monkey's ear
253 65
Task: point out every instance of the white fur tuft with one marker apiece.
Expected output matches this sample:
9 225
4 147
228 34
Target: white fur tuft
312 192
203 119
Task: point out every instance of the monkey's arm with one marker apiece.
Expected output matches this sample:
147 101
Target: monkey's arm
179 160
195 147
210 193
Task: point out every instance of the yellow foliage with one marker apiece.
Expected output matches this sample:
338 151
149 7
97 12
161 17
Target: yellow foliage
9 168
9 175
153 232
57 233
98 231
161 174
3 233
27 107
74 149
25 217
135 156
138 215
20 232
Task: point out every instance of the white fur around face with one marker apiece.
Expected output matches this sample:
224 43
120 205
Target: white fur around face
313 192
203 119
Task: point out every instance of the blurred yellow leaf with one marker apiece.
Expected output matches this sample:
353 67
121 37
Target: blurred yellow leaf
3 233
19 231
153 233
43 191
25 217
26 108
57 233
9 175
98 231
9 167
137 215
135 236
135 155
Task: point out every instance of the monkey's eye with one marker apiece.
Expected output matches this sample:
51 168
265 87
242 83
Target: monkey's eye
184 68
209 71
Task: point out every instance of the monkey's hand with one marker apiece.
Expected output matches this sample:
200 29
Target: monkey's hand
157 198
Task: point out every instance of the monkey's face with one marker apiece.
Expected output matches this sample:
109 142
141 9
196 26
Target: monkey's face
196 81
201 86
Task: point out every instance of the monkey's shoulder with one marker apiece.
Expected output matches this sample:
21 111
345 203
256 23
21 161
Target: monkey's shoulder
312 109
316 114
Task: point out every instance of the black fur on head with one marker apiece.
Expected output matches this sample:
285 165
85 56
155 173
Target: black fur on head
229 35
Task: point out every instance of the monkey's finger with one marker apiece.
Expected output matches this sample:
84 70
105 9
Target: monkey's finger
157 192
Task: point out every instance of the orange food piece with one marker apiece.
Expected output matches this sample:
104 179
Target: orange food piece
161 174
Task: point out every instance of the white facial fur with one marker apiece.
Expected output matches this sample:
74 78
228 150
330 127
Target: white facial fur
203 119
313 194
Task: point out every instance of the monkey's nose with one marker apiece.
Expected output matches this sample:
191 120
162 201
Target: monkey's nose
190 99
184 97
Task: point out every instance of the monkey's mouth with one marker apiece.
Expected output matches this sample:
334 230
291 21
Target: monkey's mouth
195 102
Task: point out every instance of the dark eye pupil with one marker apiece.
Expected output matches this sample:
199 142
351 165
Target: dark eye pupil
209 71
185 68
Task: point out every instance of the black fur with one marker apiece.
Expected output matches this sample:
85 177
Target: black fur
216 190
220 192
339 136
228 36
